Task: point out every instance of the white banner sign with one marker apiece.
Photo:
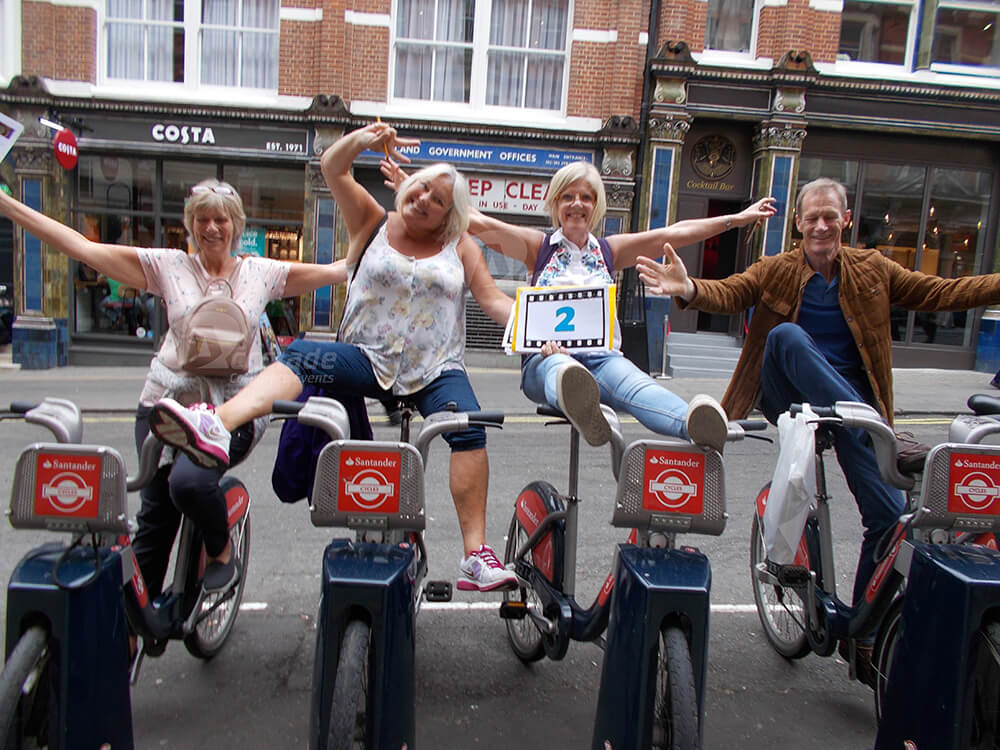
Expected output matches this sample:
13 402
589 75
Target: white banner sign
581 318
508 195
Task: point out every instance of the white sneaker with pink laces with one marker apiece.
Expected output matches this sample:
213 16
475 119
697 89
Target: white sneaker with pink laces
482 571
195 429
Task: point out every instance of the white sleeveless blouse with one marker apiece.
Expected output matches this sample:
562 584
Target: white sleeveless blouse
407 315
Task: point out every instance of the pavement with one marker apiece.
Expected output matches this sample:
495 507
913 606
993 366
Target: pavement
116 389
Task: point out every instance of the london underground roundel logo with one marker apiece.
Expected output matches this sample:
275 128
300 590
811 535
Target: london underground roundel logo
369 482
673 482
974 480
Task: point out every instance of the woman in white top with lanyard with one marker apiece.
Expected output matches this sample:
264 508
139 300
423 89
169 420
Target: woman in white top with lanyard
214 219
402 333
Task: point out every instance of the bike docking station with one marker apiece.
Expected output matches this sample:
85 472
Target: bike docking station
364 673
660 601
943 688
74 592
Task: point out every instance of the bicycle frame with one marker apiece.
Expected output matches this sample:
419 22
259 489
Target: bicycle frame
651 583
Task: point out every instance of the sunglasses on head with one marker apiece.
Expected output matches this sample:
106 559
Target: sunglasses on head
217 189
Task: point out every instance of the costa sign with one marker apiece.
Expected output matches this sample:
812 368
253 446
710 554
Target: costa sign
65 148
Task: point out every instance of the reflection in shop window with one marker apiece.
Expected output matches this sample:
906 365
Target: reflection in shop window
103 304
729 25
968 35
874 32
508 53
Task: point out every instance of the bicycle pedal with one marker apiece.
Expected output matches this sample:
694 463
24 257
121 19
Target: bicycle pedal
437 591
792 576
513 610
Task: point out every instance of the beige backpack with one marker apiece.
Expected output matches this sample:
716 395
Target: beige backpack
215 338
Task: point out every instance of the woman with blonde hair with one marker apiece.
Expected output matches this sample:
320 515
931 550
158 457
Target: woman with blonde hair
214 219
403 331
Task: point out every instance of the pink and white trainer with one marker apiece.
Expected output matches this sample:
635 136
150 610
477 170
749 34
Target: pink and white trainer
482 571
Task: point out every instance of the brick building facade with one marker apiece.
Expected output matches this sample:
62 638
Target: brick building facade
688 108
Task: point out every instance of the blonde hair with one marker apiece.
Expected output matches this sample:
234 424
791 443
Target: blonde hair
578 170
456 220
204 195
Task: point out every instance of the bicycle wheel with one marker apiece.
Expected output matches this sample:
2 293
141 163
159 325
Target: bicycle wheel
985 730
219 611
524 636
349 726
24 691
886 641
779 609
675 709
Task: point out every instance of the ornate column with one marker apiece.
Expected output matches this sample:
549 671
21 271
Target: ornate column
42 284
619 140
777 145
324 239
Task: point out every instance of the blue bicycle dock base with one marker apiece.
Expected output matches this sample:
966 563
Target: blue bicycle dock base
653 587
930 699
375 583
85 619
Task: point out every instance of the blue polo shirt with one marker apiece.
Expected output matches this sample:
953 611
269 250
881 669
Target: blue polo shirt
821 317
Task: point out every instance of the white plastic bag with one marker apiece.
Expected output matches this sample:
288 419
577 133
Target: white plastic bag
792 486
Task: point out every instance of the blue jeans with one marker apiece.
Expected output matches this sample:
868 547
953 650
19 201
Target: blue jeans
624 387
795 371
347 368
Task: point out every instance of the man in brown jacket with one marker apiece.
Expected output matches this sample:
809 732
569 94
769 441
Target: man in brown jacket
820 333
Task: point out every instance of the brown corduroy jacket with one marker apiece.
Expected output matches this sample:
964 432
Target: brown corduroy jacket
870 284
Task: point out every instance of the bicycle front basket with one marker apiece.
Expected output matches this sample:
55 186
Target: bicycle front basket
365 484
671 487
68 487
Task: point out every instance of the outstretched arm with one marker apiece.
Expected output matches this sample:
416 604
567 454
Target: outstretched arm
628 247
667 278
119 262
490 297
306 277
359 208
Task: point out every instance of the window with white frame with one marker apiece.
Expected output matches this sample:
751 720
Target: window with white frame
504 53
195 42
875 31
729 25
967 34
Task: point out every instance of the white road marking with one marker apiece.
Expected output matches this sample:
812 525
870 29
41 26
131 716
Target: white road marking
492 605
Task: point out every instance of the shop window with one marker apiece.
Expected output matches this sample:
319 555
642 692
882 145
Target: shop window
967 36
729 25
209 43
504 53
874 32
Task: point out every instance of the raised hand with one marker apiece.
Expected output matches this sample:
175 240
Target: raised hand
381 136
670 277
393 173
759 211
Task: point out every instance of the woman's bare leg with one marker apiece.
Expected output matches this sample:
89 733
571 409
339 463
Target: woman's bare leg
276 381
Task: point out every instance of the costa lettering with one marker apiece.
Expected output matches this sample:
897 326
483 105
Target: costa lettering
183 134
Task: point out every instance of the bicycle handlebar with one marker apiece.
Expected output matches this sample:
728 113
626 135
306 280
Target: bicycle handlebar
22 407
857 415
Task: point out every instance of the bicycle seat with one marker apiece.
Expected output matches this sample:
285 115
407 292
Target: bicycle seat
984 403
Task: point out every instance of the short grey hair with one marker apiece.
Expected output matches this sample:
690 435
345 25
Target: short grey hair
229 201
578 170
823 183
456 220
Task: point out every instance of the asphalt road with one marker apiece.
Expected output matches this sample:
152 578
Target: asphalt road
471 689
